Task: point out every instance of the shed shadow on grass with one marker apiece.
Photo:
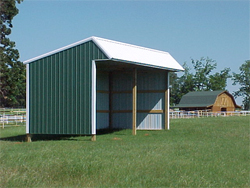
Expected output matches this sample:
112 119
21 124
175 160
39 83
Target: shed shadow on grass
56 137
42 137
108 131
18 138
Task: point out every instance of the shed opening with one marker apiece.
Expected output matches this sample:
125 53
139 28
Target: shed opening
114 96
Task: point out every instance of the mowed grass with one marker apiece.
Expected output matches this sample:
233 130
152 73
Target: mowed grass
204 152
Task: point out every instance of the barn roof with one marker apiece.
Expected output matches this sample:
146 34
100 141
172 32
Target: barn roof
199 98
128 53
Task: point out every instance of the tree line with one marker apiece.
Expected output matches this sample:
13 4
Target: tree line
12 71
201 78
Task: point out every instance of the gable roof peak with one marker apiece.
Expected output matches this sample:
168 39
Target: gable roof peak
119 51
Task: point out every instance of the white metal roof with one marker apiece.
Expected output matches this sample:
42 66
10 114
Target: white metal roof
127 52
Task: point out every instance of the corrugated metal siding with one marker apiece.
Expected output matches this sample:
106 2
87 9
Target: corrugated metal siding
122 82
102 120
102 100
153 85
60 91
102 81
155 80
122 101
150 101
122 120
150 121
153 99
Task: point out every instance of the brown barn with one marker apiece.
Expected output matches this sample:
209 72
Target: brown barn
213 101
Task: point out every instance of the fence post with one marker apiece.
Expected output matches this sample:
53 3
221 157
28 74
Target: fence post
3 119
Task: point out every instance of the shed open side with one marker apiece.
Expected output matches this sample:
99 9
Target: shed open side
114 91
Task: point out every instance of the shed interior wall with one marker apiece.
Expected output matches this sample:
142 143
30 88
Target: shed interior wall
102 100
150 99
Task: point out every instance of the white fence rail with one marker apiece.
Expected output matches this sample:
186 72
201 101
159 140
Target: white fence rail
199 114
9 117
17 118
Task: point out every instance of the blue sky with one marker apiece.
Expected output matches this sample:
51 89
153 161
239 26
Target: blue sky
186 29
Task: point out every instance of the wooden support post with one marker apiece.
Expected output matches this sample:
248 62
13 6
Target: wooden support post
110 100
167 126
134 110
93 137
28 138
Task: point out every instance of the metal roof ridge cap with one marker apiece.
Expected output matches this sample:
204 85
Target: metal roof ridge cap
58 50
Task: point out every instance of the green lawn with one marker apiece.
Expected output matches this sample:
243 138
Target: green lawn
204 152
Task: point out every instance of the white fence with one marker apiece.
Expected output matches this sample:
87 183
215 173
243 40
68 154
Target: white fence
17 118
198 114
9 117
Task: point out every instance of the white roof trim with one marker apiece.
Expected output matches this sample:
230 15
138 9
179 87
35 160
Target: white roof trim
126 52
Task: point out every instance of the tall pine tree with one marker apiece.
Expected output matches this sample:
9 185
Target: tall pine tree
12 71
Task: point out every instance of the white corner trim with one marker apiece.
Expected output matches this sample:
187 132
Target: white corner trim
93 99
168 101
27 99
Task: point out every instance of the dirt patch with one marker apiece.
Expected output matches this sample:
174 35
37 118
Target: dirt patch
18 142
115 138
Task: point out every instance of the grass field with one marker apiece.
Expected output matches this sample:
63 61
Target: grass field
204 152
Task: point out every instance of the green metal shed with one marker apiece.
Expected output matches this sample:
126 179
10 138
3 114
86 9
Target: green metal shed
96 84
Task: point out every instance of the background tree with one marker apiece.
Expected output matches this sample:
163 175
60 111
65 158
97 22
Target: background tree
181 85
243 79
12 71
201 80
205 80
203 68
218 81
